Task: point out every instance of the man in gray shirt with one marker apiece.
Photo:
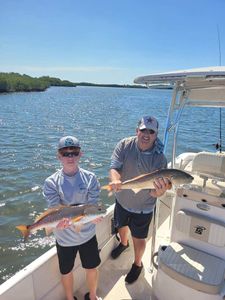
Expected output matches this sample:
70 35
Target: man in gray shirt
132 157
73 185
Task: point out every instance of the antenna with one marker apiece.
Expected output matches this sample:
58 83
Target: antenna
218 33
219 145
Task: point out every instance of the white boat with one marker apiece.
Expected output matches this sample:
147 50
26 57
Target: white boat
185 254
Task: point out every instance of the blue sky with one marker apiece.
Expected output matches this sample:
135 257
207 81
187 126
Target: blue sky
109 41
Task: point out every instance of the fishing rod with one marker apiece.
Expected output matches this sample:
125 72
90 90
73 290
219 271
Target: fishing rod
219 145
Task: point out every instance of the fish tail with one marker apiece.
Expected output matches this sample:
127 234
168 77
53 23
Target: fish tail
24 229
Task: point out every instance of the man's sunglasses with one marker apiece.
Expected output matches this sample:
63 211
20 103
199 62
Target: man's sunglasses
150 131
70 154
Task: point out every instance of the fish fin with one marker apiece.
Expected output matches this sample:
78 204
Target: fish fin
136 190
135 178
142 176
45 213
77 218
24 229
107 187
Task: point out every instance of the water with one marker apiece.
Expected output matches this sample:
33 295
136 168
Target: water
32 123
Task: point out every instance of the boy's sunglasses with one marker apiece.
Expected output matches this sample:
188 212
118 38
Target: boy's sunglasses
70 154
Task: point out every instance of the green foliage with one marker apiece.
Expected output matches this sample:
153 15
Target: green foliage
14 82
52 81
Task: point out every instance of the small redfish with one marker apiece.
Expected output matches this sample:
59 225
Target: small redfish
81 214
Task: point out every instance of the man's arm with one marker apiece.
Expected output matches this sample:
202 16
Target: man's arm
115 180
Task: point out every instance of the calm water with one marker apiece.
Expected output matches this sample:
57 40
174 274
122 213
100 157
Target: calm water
32 123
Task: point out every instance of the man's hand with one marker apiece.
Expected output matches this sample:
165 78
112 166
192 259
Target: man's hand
115 185
161 185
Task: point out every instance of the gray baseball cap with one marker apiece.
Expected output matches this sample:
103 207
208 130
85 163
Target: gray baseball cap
68 141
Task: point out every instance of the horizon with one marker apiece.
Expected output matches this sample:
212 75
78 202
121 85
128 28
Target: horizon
109 43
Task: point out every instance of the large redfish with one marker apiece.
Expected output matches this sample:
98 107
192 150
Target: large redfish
79 214
145 181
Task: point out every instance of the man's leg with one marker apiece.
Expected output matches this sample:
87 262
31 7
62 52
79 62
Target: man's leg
139 249
137 266
124 233
121 217
139 230
139 226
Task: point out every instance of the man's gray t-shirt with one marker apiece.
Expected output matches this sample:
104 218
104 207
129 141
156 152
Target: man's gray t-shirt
61 189
130 161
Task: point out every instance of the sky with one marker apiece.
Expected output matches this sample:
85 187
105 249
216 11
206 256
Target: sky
109 41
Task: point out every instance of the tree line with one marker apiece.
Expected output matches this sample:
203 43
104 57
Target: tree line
15 82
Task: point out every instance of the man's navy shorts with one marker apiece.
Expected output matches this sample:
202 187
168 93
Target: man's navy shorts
89 256
138 223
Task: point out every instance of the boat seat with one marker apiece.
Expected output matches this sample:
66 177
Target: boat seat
211 164
193 268
201 227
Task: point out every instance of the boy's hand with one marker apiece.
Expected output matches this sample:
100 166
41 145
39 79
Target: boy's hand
64 223
97 220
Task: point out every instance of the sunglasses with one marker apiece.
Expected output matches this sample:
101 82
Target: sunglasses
150 131
70 154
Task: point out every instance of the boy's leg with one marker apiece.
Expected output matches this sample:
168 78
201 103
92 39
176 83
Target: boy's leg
90 259
66 257
92 282
67 281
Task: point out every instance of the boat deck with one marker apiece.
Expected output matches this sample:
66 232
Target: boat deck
112 273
